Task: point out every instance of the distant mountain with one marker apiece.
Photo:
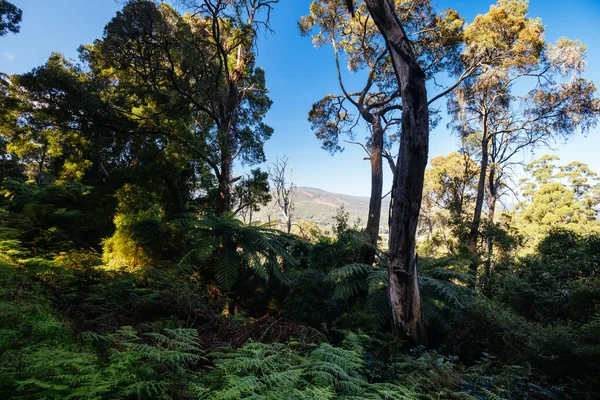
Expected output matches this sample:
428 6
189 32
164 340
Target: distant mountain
320 206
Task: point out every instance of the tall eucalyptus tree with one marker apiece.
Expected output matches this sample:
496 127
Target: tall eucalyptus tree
436 38
525 93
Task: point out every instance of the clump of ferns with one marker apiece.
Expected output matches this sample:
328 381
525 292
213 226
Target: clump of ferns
442 282
124 365
229 247
436 376
274 371
149 364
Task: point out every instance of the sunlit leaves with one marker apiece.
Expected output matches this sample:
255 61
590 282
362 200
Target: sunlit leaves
558 197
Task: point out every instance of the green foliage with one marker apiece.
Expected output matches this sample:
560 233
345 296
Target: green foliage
252 193
557 283
558 359
265 371
118 281
310 299
10 17
228 248
142 237
448 196
567 198
133 369
50 217
341 219
42 358
443 283
183 80
328 253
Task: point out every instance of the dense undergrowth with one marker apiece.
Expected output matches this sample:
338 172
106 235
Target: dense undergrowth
126 272
243 311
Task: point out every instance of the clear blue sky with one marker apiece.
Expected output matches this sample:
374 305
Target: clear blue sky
298 75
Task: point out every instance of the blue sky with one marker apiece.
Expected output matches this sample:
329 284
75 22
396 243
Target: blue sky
298 75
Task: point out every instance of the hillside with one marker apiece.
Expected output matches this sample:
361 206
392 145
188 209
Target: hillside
320 206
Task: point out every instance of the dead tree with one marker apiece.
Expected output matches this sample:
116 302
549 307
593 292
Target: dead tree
283 184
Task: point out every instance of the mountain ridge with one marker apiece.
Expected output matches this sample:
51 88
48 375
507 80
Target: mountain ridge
320 206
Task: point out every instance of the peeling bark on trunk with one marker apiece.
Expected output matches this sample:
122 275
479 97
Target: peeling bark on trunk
407 191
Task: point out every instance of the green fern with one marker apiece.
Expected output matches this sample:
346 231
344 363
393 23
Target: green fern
349 280
19 193
230 246
263 371
440 287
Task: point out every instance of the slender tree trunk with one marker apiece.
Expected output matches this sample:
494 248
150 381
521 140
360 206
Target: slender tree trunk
178 191
489 242
374 218
224 199
404 296
38 178
474 233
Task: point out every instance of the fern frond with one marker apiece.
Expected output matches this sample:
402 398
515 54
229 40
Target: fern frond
378 305
349 279
450 275
377 280
446 291
227 269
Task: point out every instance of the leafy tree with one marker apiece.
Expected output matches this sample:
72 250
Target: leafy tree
307 230
251 193
202 64
37 123
142 237
564 197
10 17
552 98
341 218
435 37
448 194
228 249
407 189
65 123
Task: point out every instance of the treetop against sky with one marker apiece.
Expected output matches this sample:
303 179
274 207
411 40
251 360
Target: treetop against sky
298 75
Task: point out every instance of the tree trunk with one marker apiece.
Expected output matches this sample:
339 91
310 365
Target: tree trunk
474 233
404 296
177 190
489 242
224 199
374 218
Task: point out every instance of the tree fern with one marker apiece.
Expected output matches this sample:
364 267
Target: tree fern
229 246
19 193
350 279
440 286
